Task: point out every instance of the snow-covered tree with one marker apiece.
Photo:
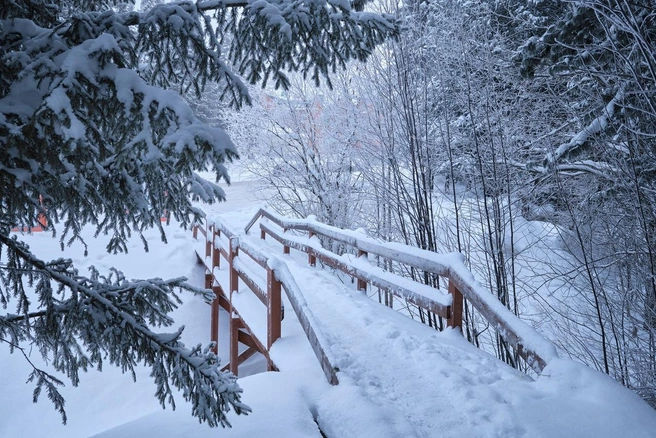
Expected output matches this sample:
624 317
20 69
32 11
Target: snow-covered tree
303 146
599 56
93 132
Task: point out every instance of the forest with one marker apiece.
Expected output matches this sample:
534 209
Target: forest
521 134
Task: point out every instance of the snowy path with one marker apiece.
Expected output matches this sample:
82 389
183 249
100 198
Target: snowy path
442 386
431 378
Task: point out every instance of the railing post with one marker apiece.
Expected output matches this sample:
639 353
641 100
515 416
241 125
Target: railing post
274 308
194 230
209 275
215 262
216 253
234 277
235 325
455 318
362 285
208 244
285 249
262 234
312 259
214 326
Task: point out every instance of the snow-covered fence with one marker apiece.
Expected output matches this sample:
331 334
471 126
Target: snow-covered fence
221 242
532 346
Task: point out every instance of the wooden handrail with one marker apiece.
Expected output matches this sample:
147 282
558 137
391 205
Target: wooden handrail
306 319
440 304
532 346
277 279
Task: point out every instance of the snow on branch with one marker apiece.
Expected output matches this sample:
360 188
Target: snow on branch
107 317
597 168
596 126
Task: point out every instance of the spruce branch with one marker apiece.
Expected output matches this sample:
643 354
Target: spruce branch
108 317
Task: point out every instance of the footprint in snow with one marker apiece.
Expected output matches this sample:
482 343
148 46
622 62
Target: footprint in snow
393 334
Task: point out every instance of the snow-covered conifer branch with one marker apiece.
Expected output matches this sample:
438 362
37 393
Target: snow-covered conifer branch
91 319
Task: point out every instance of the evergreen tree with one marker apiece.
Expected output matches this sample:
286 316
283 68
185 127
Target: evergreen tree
94 132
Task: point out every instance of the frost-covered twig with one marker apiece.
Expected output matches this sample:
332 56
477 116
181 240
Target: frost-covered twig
596 126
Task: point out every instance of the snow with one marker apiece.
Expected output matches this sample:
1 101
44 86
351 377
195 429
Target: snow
288 415
398 378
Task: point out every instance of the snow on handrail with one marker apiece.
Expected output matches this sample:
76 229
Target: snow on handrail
306 318
422 295
281 274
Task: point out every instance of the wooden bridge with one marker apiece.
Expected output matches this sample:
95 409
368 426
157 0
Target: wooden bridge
266 276
300 291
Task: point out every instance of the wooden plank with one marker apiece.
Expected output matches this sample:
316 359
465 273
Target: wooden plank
252 221
254 287
258 344
241 358
455 316
274 309
214 324
235 325
208 242
246 339
421 259
234 275
208 279
312 260
221 297
202 231
216 252
362 284
330 371
245 355
225 230
254 254
285 248
224 302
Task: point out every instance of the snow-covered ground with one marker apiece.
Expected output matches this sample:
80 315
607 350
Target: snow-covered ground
398 378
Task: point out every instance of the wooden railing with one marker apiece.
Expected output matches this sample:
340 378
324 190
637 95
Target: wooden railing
533 347
302 235
277 278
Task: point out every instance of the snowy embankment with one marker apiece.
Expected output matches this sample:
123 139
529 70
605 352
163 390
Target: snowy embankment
398 378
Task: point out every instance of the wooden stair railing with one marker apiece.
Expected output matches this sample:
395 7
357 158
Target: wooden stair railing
278 278
532 346
240 331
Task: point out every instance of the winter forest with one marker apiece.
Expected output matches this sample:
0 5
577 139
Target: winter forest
521 134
